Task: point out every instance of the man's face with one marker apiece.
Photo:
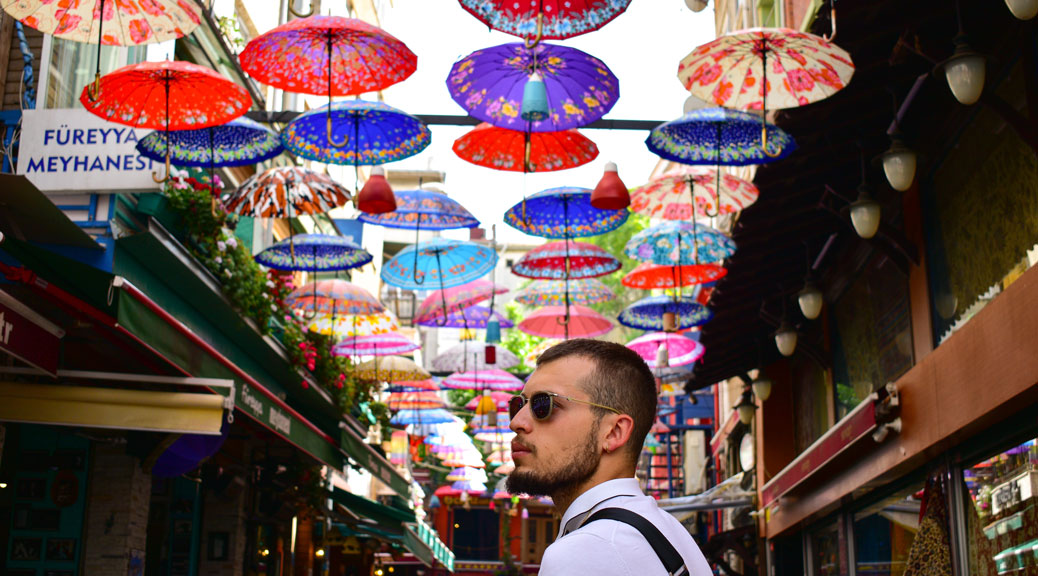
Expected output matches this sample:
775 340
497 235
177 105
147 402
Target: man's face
562 452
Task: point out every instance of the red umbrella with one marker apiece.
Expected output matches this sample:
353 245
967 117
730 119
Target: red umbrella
549 19
441 303
511 150
551 322
548 261
648 276
166 96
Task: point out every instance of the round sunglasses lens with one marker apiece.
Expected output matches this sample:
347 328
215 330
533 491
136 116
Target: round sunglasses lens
540 405
515 404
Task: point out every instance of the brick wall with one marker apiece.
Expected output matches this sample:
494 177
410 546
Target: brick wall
118 498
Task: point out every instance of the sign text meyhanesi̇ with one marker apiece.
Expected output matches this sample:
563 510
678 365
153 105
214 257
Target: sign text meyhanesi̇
73 150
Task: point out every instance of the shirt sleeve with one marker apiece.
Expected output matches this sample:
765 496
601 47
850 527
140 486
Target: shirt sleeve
583 553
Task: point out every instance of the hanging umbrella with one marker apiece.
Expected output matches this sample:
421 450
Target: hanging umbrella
583 323
356 133
286 192
684 243
673 195
500 400
499 435
648 276
416 386
470 355
333 298
681 350
391 369
434 416
647 313
493 379
535 353
414 401
718 137
503 149
457 298
165 96
354 325
445 263
466 473
553 19
471 318
489 85
585 292
314 253
240 142
732 71
388 344
424 210
563 213
448 490
548 261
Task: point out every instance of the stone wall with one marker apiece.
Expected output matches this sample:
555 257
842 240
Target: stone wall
119 495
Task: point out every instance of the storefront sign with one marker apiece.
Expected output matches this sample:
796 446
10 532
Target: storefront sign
284 423
73 150
28 337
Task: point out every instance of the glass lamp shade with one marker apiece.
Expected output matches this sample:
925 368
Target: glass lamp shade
535 99
865 215
762 388
1023 9
786 339
376 197
746 408
899 164
696 5
965 73
810 300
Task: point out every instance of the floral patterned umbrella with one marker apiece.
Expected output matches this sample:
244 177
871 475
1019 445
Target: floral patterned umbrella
472 318
416 386
515 151
388 344
671 243
550 19
445 263
354 325
489 84
333 298
240 142
391 369
315 253
286 192
648 276
468 355
500 399
548 261
414 401
732 71
493 379
550 322
681 350
423 209
585 292
563 213
647 313
673 195
718 137
356 133
455 299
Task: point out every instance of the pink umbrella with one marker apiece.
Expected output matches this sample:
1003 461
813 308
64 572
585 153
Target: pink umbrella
495 379
681 349
500 399
456 299
550 322
375 345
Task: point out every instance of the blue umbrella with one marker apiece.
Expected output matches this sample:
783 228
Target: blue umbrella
445 262
433 416
718 136
563 213
240 142
647 313
679 243
314 253
426 209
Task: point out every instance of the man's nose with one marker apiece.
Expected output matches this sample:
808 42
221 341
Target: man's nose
522 420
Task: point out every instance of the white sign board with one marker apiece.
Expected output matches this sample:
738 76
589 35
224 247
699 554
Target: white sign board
71 150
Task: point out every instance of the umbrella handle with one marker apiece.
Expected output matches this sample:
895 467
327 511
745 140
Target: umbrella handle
443 293
832 17
764 142
764 107
298 14
94 88
717 191
155 175
331 139
540 27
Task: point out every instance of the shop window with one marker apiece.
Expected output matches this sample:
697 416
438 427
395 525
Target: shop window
476 534
884 533
1002 522
541 531
72 66
825 551
871 330
981 215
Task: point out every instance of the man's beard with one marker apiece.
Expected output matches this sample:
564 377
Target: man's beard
562 480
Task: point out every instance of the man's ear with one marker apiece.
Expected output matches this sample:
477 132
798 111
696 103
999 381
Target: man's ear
618 432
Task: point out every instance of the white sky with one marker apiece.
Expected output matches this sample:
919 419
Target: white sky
642 47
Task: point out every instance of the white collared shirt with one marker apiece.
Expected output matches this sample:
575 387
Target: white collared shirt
609 547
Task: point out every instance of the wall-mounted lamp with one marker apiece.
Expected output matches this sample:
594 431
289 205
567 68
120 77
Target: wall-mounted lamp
965 72
899 163
762 386
786 338
865 213
746 408
810 299
1023 9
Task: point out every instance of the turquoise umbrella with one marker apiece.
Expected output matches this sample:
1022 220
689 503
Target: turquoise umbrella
674 243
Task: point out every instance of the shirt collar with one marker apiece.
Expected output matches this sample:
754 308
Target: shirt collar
596 494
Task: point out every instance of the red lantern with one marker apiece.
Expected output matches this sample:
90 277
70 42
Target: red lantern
490 355
376 197
610 194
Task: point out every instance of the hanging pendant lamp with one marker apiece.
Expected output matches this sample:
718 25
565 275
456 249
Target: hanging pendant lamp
376 197
611 193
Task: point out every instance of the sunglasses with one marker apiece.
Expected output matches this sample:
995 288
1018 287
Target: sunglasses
542 403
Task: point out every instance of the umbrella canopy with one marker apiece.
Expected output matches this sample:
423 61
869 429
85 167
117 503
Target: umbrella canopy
333 297
286 192
584 292
391 369
503 149
672 242
167 96
549 322
423 209
456 299
328 55
371 132
449 490
711 193
314 253
563 213
493 379
681 350
548 261
240 142
471 355
414 401
489 85
535 353
500 400
441 262
472 318
467 473
647 313
555 19
434 416
125 22
732 71
354 325
718 137
416 386
388 344
648 276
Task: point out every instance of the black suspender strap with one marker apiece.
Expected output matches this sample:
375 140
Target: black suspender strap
672 561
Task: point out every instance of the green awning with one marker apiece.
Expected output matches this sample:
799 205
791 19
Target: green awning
380 513
426 545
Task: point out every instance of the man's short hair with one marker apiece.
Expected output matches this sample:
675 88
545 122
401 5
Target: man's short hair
621 380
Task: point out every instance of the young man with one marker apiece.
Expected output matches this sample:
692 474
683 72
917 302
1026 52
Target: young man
580 424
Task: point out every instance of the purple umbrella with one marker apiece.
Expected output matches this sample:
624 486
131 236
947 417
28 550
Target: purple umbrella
471 317
489 84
